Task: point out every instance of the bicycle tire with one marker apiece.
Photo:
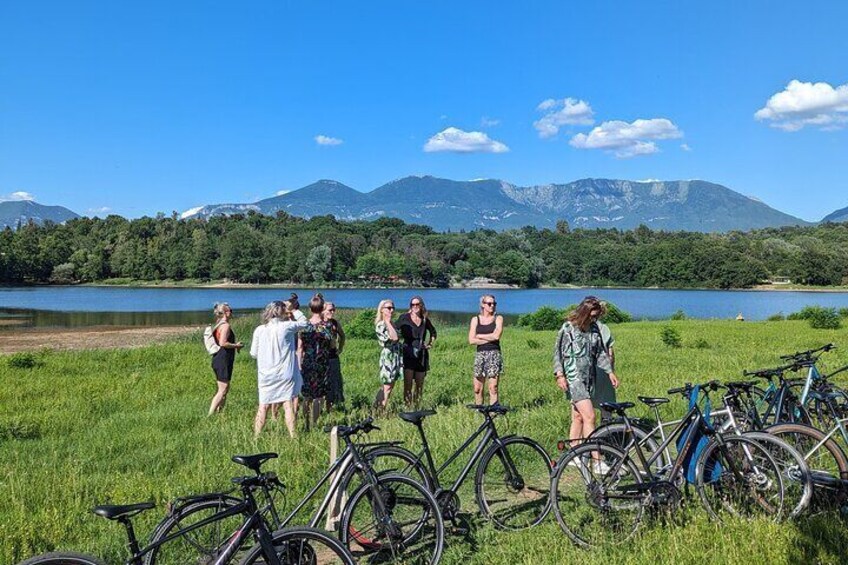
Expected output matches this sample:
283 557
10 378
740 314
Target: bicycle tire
825 462
203 542
615 434
364 535
392 460
797 479
760 486
300 546
589 504
531 488
62 558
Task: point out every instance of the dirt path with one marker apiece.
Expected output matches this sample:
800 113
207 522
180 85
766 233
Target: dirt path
28 339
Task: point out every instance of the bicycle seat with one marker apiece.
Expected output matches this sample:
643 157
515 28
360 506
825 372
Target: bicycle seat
617 407
652 401
489 408
116 511
253 462
415 417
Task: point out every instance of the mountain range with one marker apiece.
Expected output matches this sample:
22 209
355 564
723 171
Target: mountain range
15 212
449 205
444 204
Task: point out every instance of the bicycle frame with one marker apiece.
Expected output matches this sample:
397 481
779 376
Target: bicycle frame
253 523
490 435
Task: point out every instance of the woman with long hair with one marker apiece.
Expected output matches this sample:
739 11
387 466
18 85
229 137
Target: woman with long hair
418 334
578 354
335 383
315 354
391 352
224 359
485 332
274 347
604 391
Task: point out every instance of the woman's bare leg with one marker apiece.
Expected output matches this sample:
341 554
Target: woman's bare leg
478 389
275 411
316 409
408 384
291 417
387 391
575 433
259 422
220 398
493 390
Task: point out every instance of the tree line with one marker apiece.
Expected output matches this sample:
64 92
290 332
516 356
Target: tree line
260 249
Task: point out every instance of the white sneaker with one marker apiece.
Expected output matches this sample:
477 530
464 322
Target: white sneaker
576 462
600 468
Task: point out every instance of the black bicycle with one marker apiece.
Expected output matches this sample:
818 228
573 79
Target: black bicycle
385 517
600 492
511 483
248 539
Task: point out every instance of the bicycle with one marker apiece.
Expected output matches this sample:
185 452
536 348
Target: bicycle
599 495
512 478
286 546
387 516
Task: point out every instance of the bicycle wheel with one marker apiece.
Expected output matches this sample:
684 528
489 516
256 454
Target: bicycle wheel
302 546
825 459
195 546
737 475
411 531
392 460
615 434
61 558
513 484
594 508
797 480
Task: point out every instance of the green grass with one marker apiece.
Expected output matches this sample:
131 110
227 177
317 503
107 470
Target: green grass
121 426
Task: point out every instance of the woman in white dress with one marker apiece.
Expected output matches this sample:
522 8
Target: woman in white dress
274 347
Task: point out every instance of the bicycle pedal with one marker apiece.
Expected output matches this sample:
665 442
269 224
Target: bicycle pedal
459 530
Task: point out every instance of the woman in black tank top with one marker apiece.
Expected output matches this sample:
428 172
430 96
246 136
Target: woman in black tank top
485 333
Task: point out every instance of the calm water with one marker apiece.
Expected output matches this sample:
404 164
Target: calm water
80 306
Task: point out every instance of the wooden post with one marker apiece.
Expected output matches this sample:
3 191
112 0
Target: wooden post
337 503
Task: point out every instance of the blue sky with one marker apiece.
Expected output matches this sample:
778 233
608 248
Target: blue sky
134 108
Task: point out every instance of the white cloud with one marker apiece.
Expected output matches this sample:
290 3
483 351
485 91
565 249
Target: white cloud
281 192
627 140
685 147
103 210
327 140
455 140
487 122
559 113
803 104
19 195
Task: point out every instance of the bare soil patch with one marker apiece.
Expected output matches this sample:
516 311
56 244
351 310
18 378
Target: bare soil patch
29 339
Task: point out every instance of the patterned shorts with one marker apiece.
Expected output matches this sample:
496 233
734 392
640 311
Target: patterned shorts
488 364
578 390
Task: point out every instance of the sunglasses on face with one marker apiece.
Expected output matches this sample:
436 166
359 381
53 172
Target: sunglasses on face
331 309
415 304
490 303
388 307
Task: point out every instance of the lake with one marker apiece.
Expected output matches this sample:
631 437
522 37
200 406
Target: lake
89 305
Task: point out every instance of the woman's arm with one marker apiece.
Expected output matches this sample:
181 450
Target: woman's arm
392 331
472 333
221 335
432 329
254 344
495 335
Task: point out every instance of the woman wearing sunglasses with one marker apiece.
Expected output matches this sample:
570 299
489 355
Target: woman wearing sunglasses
418 334
485 332
391 354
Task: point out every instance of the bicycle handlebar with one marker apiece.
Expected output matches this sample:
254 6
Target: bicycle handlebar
365 425
804 355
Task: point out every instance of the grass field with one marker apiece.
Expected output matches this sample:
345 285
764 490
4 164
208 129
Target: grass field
122 426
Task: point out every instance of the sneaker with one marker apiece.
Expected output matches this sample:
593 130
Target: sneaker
600 468
576 462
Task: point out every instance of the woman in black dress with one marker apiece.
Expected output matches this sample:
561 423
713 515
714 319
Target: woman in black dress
222 361
418 335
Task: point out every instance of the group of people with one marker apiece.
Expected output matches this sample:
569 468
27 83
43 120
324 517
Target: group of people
299 357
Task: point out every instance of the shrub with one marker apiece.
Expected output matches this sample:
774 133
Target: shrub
361 326
616 315
545 318
670 336
825 319
701 343
843 312
679 315
24 360
779 317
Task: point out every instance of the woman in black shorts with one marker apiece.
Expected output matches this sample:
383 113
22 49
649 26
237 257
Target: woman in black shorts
222 361
418 334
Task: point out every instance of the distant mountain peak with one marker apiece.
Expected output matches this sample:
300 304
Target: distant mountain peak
20 212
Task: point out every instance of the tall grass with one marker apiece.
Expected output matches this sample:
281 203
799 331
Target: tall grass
121 426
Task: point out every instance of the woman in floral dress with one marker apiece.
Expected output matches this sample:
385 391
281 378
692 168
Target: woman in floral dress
316 341
391 354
